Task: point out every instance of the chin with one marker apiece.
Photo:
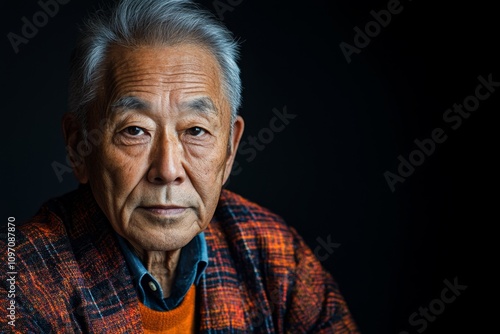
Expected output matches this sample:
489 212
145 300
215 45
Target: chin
168 240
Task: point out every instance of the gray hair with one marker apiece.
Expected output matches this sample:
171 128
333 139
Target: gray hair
148 22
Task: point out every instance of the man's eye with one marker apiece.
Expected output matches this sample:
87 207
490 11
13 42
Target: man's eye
134 131
196 131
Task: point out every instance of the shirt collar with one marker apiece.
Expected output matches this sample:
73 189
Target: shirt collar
192 263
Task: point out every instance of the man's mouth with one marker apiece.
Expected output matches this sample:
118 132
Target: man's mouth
164 210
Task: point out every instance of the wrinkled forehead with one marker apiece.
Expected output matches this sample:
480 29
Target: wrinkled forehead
182 71
167 59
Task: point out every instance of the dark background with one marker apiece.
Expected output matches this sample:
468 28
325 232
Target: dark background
324 173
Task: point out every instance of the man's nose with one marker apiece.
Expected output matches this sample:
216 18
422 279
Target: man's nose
167 161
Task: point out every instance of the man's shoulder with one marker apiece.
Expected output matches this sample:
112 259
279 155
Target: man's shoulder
47 222
238 216
236 208
45 231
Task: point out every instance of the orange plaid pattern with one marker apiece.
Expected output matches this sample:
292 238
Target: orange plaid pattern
261 276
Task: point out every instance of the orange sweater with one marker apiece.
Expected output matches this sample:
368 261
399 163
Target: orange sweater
177 321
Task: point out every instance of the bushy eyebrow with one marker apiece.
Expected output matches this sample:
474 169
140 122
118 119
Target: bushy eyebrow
203 105
128 103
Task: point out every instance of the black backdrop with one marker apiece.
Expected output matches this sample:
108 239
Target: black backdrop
391 251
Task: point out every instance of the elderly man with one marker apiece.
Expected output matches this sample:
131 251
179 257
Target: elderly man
150 241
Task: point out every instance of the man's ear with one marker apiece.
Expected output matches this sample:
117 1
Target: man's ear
238 128
73 138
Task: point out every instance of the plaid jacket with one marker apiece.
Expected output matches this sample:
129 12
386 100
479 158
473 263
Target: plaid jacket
261 277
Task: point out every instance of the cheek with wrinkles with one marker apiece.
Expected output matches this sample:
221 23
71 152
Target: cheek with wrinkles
125 160
115 174
207 180
207 165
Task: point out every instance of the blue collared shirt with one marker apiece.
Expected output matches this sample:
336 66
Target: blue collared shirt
192 263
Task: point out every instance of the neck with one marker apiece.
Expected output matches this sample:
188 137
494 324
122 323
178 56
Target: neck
162 265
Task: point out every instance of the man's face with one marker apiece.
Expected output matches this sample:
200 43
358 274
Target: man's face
158 171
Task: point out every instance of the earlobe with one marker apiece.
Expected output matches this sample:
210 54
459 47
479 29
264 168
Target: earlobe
72 137
238 129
